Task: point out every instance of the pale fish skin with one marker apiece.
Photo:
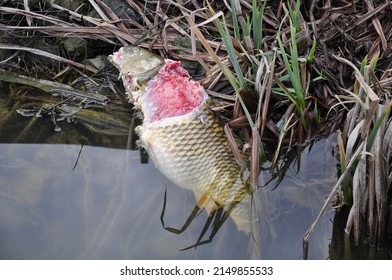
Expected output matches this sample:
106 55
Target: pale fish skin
182 135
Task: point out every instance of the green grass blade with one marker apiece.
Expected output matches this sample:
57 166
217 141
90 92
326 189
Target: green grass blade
363 64
257 23
296 74
245 109
226 37
311 55
288 94
226 71
235 20
376 127
294 14
373 62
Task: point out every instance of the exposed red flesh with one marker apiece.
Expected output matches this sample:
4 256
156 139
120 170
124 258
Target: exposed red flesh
171 93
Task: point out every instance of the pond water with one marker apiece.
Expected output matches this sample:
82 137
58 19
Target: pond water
109 206
74 201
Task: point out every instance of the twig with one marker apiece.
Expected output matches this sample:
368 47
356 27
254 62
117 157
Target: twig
49 55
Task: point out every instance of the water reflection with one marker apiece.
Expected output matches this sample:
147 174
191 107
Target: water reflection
217 216
109 207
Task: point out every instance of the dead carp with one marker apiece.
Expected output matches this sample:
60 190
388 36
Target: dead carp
182 135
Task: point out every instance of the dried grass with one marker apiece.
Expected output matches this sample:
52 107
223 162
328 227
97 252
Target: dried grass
284 71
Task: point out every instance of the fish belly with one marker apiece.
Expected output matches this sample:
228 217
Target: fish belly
194 153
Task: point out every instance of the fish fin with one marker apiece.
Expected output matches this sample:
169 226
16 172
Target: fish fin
145 142
240 214
154 158
205 201
241 218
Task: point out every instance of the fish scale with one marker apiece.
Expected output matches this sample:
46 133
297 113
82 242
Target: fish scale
197 156
182 135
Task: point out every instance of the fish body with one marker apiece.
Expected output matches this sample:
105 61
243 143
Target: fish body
183 136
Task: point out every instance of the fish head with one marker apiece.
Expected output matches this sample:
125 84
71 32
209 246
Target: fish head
137 66
161 88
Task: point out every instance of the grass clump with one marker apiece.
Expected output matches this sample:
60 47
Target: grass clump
285 73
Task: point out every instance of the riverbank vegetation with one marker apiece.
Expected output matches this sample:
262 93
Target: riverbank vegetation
283 73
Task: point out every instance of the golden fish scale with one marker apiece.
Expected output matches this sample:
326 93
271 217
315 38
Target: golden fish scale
196 155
